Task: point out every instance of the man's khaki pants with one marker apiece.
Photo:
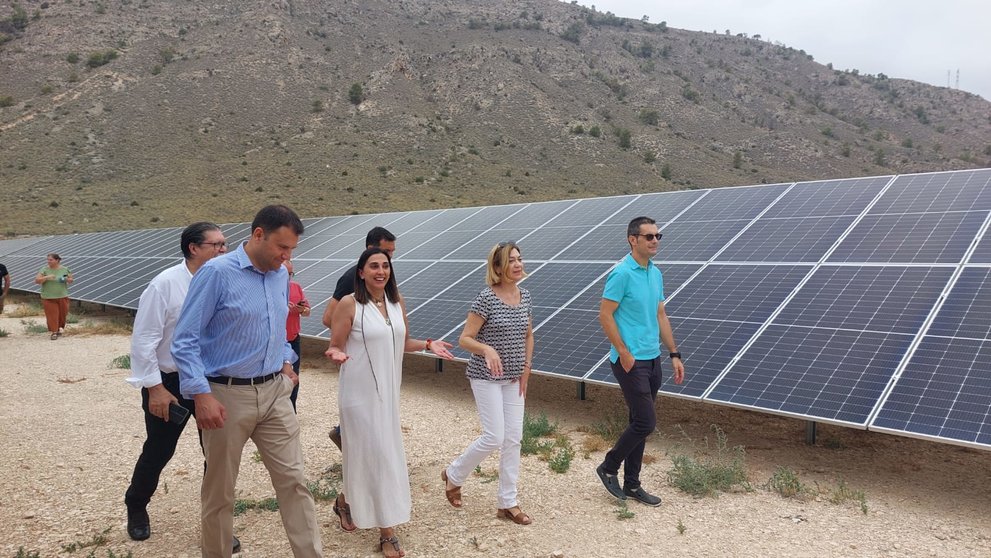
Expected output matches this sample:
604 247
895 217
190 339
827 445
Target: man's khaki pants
263 413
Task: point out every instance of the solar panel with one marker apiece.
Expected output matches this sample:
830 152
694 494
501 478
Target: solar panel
856 301
944 392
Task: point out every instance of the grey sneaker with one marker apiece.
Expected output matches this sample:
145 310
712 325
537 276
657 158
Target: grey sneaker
236 545
642 496
611 482
335 436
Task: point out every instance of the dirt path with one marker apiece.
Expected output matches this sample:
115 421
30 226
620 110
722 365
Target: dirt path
71 429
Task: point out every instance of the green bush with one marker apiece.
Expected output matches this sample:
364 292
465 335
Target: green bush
649 117
625 138
785 482
97 59
356 94
594 131
711 470
6 101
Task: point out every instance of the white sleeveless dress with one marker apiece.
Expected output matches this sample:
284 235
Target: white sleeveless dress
376 479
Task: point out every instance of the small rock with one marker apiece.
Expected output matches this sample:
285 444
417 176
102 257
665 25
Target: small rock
483 547
557 554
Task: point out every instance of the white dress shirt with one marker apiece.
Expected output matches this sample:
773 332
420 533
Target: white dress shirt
154 324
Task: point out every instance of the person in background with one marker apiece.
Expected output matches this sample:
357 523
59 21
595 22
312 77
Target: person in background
55 279
632 316
235 363
5 278
154 371
499 335
377 237
369 335
298 306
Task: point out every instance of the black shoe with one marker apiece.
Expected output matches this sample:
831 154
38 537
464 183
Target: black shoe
237 546
642 496
335 436
138 524
611 482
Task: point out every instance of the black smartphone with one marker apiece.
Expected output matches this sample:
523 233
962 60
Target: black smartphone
178 414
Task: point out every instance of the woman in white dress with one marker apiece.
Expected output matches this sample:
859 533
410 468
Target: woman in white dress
368 337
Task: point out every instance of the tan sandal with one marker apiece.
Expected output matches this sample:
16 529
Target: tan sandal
453 494
519 518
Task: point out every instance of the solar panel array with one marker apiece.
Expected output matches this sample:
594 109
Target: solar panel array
861 302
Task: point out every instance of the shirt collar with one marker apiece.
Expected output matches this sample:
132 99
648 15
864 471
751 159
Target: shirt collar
632 263
243 261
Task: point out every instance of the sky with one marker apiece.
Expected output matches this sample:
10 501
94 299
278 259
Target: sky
911 39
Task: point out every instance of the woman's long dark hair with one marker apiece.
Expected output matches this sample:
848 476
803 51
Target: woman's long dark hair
360 292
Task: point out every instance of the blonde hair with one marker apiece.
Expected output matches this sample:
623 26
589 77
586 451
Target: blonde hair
498 262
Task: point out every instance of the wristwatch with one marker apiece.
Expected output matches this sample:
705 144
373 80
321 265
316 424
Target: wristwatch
674 355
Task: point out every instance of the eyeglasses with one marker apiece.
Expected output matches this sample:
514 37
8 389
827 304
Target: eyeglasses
219 244
651 237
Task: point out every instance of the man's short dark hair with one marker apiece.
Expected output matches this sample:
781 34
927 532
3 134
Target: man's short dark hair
377 235
273 217
195 234
633 228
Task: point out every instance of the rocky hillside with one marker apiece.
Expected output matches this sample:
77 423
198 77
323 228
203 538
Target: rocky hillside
135 114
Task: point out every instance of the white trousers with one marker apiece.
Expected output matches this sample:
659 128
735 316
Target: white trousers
500 409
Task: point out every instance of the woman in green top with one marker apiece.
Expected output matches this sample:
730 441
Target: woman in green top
55 279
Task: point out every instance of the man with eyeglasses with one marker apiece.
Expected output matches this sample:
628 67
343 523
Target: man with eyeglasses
154 370
633 318
380 238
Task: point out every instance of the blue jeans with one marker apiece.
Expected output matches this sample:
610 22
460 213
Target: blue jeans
640 386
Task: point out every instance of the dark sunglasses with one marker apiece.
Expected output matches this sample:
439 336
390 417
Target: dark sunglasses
651 237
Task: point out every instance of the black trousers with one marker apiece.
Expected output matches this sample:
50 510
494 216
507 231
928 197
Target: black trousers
640 386
296 345
159 446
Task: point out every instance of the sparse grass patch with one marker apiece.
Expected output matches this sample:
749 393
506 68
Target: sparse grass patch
108 327
843 493
593 443
21 553
681 527
242 505
123 362
256 456
624 511
26 309
99 539
34 327
328 485
560 462
608 428
714 468
486 476
785 482
533 430
72 318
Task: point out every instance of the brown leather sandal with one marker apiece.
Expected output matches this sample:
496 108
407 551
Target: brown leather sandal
394 541
453 494
520 518
343 511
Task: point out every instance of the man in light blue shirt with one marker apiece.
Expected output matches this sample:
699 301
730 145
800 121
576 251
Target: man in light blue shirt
633 318
234 361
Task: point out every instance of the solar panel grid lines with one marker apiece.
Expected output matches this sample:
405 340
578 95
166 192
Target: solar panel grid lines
821 374
965 307
895 238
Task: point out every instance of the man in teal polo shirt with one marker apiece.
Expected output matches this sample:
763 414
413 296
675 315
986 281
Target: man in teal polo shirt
632 316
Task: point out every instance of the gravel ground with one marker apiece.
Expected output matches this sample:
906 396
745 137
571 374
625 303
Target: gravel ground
71 429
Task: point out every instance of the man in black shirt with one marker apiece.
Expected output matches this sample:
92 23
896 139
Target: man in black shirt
379 238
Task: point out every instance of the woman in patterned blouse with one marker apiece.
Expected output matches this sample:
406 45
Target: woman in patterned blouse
499 336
